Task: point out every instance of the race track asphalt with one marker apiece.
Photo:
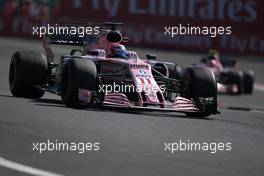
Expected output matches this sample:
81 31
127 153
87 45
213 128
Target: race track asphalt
130 143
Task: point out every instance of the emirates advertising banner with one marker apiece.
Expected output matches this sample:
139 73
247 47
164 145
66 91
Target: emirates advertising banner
231 26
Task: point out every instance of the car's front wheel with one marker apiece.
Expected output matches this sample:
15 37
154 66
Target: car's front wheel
201 87
77 74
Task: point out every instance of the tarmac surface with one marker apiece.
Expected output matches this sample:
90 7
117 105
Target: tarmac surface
129 143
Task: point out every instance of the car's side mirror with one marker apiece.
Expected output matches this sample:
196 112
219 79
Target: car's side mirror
151 57
125 39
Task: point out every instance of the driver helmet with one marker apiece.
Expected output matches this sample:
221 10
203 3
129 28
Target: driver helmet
214 54
119 51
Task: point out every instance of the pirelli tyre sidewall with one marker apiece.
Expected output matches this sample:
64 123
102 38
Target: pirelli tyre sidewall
77 74
27 71
200 84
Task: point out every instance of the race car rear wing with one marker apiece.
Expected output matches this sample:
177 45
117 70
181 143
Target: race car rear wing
108 29
68 38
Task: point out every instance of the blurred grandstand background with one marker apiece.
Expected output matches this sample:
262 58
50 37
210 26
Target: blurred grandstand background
145 21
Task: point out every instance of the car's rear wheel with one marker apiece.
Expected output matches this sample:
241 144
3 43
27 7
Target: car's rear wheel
77 74
248 81
202 88
235 77
28 70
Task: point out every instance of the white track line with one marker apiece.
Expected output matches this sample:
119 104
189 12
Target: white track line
25 169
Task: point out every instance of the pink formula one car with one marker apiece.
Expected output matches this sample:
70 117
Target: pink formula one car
230 80
105 74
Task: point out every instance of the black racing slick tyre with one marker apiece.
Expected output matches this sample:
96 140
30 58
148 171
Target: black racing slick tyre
233 77
27 71
248 81
77 74
202 88
238 79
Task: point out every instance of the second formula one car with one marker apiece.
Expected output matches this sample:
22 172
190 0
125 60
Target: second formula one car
231 80
105 74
